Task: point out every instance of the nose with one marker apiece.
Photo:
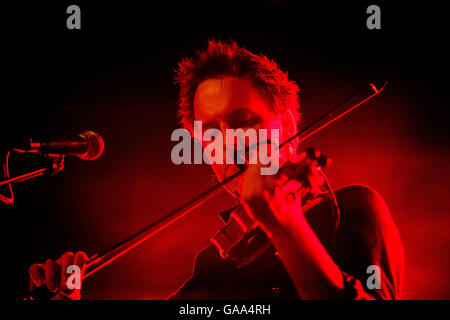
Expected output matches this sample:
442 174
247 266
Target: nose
230 151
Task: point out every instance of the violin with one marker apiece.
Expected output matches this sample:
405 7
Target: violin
240 239
243 241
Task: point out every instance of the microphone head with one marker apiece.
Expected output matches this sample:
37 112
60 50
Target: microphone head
95 145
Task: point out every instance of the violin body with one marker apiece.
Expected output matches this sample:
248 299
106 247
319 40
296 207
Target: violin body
242 239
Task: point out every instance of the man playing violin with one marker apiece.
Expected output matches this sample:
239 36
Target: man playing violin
227 87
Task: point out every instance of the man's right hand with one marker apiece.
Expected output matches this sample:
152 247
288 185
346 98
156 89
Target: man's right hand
53 274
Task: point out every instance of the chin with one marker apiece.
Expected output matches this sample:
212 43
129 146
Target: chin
233 186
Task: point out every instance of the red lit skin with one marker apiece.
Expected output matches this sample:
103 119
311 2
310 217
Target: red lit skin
52 274
231 103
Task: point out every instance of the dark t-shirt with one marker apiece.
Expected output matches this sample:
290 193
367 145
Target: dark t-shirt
366 236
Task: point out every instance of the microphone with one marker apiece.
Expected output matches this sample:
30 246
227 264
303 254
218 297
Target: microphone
87 145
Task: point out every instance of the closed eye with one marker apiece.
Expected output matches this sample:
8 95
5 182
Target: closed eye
245 122
210 125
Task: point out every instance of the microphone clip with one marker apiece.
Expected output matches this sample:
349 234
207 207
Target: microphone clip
56 163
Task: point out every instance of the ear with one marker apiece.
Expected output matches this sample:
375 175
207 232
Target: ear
289 124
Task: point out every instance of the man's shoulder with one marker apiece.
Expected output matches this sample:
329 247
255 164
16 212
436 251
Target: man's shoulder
358 195
362 201
364 212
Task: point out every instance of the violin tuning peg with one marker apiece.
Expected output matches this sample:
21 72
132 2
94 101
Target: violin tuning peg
311 153
324 161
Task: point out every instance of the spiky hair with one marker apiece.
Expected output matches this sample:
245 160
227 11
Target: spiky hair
228 59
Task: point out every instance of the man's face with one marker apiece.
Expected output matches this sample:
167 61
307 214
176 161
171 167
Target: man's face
232 103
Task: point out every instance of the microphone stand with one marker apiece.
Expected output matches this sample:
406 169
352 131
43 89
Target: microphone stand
56 165
25 176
